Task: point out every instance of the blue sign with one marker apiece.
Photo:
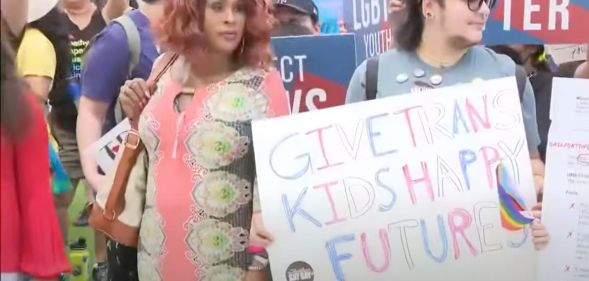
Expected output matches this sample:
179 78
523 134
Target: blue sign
315 70
368 20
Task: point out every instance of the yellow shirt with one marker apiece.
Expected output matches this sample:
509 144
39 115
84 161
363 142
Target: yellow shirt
36 55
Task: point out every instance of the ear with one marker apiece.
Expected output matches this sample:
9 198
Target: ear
317 28
427 6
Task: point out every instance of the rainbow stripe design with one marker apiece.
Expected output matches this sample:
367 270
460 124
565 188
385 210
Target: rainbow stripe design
511 202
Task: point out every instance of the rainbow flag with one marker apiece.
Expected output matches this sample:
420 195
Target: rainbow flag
512 205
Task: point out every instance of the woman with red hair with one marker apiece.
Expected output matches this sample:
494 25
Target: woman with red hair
196 128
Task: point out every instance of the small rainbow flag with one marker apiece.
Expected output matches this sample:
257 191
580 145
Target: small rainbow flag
511 202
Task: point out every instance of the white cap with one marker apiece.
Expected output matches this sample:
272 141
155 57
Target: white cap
39 8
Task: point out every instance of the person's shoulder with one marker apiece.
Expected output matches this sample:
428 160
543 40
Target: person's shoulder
111 37
483 52
388 58
35 37
490 60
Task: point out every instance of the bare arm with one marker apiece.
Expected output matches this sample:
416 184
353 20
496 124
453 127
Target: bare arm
537 171
40 85
91 117
114 9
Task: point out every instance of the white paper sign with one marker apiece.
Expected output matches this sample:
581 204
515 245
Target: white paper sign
566 187
106 148
402 188
570 105
567 53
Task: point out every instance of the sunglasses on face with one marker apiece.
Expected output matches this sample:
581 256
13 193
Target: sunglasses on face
475 5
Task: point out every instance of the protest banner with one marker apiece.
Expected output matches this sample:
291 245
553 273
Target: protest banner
402 188
538 22
315 70
565 209
368 20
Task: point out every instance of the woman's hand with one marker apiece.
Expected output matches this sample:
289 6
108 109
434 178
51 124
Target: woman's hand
133 97
539 232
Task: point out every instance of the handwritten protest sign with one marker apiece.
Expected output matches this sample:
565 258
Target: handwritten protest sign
402 188
315 69
566 193
105 149
566 53
538 22
368 20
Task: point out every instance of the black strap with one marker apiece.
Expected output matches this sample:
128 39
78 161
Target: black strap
371 78
521 76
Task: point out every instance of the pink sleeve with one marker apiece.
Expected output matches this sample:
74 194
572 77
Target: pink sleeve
42 248
279 105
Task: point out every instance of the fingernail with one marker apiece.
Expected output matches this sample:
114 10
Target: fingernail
147 94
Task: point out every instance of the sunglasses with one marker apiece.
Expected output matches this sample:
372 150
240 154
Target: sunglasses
475 5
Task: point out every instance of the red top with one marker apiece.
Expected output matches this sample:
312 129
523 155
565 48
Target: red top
31 239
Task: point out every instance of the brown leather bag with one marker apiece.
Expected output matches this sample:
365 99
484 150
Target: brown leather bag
107 218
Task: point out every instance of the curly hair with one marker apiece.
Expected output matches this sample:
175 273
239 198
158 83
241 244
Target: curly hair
181 30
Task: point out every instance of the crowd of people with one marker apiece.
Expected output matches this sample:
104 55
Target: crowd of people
70 66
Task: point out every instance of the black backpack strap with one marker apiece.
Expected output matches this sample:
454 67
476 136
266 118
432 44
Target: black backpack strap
371 78
521 77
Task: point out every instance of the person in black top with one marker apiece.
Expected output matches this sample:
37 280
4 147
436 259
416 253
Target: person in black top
84 21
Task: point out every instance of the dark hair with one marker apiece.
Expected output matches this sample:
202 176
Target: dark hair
291 29
54 26
539 59
15 112
409 32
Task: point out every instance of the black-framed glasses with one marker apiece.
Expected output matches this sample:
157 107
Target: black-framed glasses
475 5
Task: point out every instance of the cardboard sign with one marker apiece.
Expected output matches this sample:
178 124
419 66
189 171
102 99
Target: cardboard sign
402 188
368 20
315 70
538 22
566 194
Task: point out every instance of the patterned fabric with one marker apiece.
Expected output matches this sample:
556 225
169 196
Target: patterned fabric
201 175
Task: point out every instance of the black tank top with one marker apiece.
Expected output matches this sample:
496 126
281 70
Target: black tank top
63 107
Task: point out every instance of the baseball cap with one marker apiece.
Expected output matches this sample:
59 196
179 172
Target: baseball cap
39 8
307 7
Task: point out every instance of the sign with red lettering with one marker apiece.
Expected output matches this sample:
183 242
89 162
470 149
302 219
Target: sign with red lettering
538 22
315 70
402 188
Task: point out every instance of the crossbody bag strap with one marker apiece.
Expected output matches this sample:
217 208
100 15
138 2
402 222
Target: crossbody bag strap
115 202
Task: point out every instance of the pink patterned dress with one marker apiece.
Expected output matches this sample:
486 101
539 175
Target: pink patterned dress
201 175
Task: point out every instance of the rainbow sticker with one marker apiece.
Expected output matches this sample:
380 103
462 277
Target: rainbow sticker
511 202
